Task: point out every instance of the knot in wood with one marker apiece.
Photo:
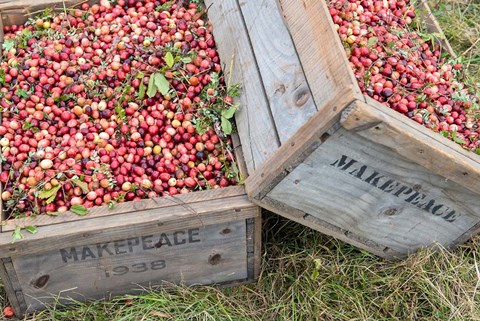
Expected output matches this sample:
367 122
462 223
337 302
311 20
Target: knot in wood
301 97
214 259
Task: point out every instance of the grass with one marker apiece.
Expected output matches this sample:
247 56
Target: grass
309 276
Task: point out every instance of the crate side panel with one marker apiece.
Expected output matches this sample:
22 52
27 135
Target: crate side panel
285 85
367 189
200 255
254 120
382 125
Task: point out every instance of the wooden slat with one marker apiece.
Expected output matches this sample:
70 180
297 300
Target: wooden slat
296 149
189 256
434 27
184 200
380 124
285 85
107 227
367 189
316 223
12 286
254 121
320 50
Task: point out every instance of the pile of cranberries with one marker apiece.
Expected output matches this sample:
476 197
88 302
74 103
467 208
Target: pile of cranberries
397 67
77 127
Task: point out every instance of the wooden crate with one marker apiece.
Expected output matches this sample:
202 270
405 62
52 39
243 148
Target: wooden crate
322 154
210 237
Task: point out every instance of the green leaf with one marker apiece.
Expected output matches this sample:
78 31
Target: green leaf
31 229
161 83
226 126
17 234
8 44
372 41
49 195
152 90
141 90
444 133
2 76
228 113
186 60
79 210
457 140
82 185
477 151
169 59
53 213
23 93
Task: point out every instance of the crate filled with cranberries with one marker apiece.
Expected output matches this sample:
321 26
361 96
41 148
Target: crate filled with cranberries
119 161
364 125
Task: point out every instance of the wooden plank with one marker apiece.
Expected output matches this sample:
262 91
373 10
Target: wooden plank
296 149
254 121
148 204
285 85
434 27
11 284
320 50
189 256
101 228
380 124
369 190
317 224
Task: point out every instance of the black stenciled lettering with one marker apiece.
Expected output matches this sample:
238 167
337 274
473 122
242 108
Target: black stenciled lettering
68 255
342 163
147 242
164 240
192 234
103 248
117 245
87 253
415 198
181 240
450 217
389 186
435 210
373 179
131 242
359 172
402 189
397 189
428 206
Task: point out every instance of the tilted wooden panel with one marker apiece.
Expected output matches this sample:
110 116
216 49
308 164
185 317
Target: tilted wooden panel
369 190
200 255
382 125
285 85
254 120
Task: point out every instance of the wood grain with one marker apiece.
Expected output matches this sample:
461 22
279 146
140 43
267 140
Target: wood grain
254 120
296 149
104 228
377 123
157 204
321 53
213 257
391 208
282 75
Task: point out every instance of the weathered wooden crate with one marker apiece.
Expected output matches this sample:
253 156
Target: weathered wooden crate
208 237
322 154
